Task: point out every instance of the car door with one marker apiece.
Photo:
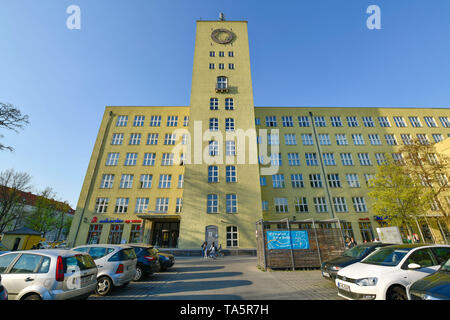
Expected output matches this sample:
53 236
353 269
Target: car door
427 262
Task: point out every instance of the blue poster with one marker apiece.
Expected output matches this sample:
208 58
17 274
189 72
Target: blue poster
279 240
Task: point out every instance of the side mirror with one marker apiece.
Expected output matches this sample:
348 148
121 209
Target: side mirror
414 266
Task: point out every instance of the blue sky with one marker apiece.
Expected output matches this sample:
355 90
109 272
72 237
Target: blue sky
140 52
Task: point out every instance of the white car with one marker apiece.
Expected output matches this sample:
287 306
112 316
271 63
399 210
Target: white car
386 273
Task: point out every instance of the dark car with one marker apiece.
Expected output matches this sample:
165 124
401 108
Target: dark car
165 259
148 261
331 267
433 287
3 292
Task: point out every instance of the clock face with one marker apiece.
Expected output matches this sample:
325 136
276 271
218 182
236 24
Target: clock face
222 36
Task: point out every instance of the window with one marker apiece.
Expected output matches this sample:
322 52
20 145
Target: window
421 257
152 138
278 181
112 159
297 180
180 181
231 174
212 53
135 139
93 234
380 158
368 122
352 180
406 139
117 139
287 121
186 121
231 203
170 139
146 181
368 177
359 204
167 159
307 139
232 236
328 159
333 180
135 233
364 159
162 205
336 121
231 66
430 122
347 159
273 139
141 205
445 122
131 159
290 139
301 204
213 174
265 205
341 139
293 159
423 139
221 66
315 180
126 182
230 148
437 137
231 54
213 148
31 263
320 122
390 139
311 159
374 139
271 121
122 121
214 104
214 124
165 181
415 122
121 205
107 181
138 121
229 104
324 139
229 124
320 204
400 122
222 82
221 54
179 205
211 66
340 204
212 204
257 121
149 159
262 181
101 205
155 121
303 121
358 139
384 122
352 122
281 205
172 121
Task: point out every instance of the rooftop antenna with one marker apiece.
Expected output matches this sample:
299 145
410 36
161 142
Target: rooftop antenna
221 17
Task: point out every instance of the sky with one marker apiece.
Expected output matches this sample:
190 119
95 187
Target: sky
314 53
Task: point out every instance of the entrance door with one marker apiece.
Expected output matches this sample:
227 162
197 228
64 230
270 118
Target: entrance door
16 244
212 235
165 234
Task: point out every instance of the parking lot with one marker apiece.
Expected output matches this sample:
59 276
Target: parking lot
226 278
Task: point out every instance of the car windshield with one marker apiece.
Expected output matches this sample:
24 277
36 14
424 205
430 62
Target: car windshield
387 256
446 266
356 252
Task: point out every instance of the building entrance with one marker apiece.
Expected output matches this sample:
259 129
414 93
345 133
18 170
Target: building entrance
165 234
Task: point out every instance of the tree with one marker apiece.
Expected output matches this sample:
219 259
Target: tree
43 215
11 118
430 170
396 195
63 222
12 184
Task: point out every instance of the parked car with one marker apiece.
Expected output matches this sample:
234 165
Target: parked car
147 261
432 287
48 274
3 291
116 265
331 267
386 273
165 259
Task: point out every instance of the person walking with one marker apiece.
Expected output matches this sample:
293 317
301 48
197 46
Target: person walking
204 250
212 251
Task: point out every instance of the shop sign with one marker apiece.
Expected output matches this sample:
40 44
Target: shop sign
279 240
364 219
95 220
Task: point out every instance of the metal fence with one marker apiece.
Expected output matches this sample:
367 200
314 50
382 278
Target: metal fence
306 243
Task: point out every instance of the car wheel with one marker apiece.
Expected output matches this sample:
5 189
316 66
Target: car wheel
139 274
104 286
32 297
397 293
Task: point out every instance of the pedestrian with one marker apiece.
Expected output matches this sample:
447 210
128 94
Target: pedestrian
204 249
212 251
352 243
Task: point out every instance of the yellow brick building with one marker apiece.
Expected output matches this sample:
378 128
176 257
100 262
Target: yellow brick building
177 176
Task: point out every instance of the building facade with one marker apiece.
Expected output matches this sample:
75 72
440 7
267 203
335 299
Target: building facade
177 176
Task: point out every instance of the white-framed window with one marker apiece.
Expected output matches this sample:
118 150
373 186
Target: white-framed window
212 53
231 54
213 174
303 121
141 205
328 159
430 122
122 121
437 137
341 139
423 139
229 124
101 205
155 121
359 204
281 205
149 159
221 54
126 182
347 159
180 181
307 139
336 121
265 205
121 205
231 203
297 180
273 139
352 122
172 121
290 139
398 158
212 204
368 122
311 159
301 204
221 66
162 204
231 174
170 139
138 121
167 159
415 122
214 104
117 139
107 181
358 139
374 139
384 122
211 66
146 181
340 204
179 205
352 180
232 237
257 121
186 121
324 139
222 82
315 180
400 122
368 177
320 121
293 159
333 180
213 148
320 204
135 139
406 139
165 180
391 139
380 158
364 159
184 139
112 159
278 181
287 121
152 138
275 159
230 148
229 104
271 121
131 159
445 122
231 66
213 124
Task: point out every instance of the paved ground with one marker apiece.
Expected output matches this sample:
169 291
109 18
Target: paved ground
227 278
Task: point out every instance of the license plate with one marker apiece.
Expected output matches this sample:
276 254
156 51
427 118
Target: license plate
326 274
343 286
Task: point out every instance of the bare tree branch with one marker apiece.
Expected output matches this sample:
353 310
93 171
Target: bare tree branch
11 118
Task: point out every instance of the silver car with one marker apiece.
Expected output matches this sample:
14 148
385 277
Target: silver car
48 274
116 265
